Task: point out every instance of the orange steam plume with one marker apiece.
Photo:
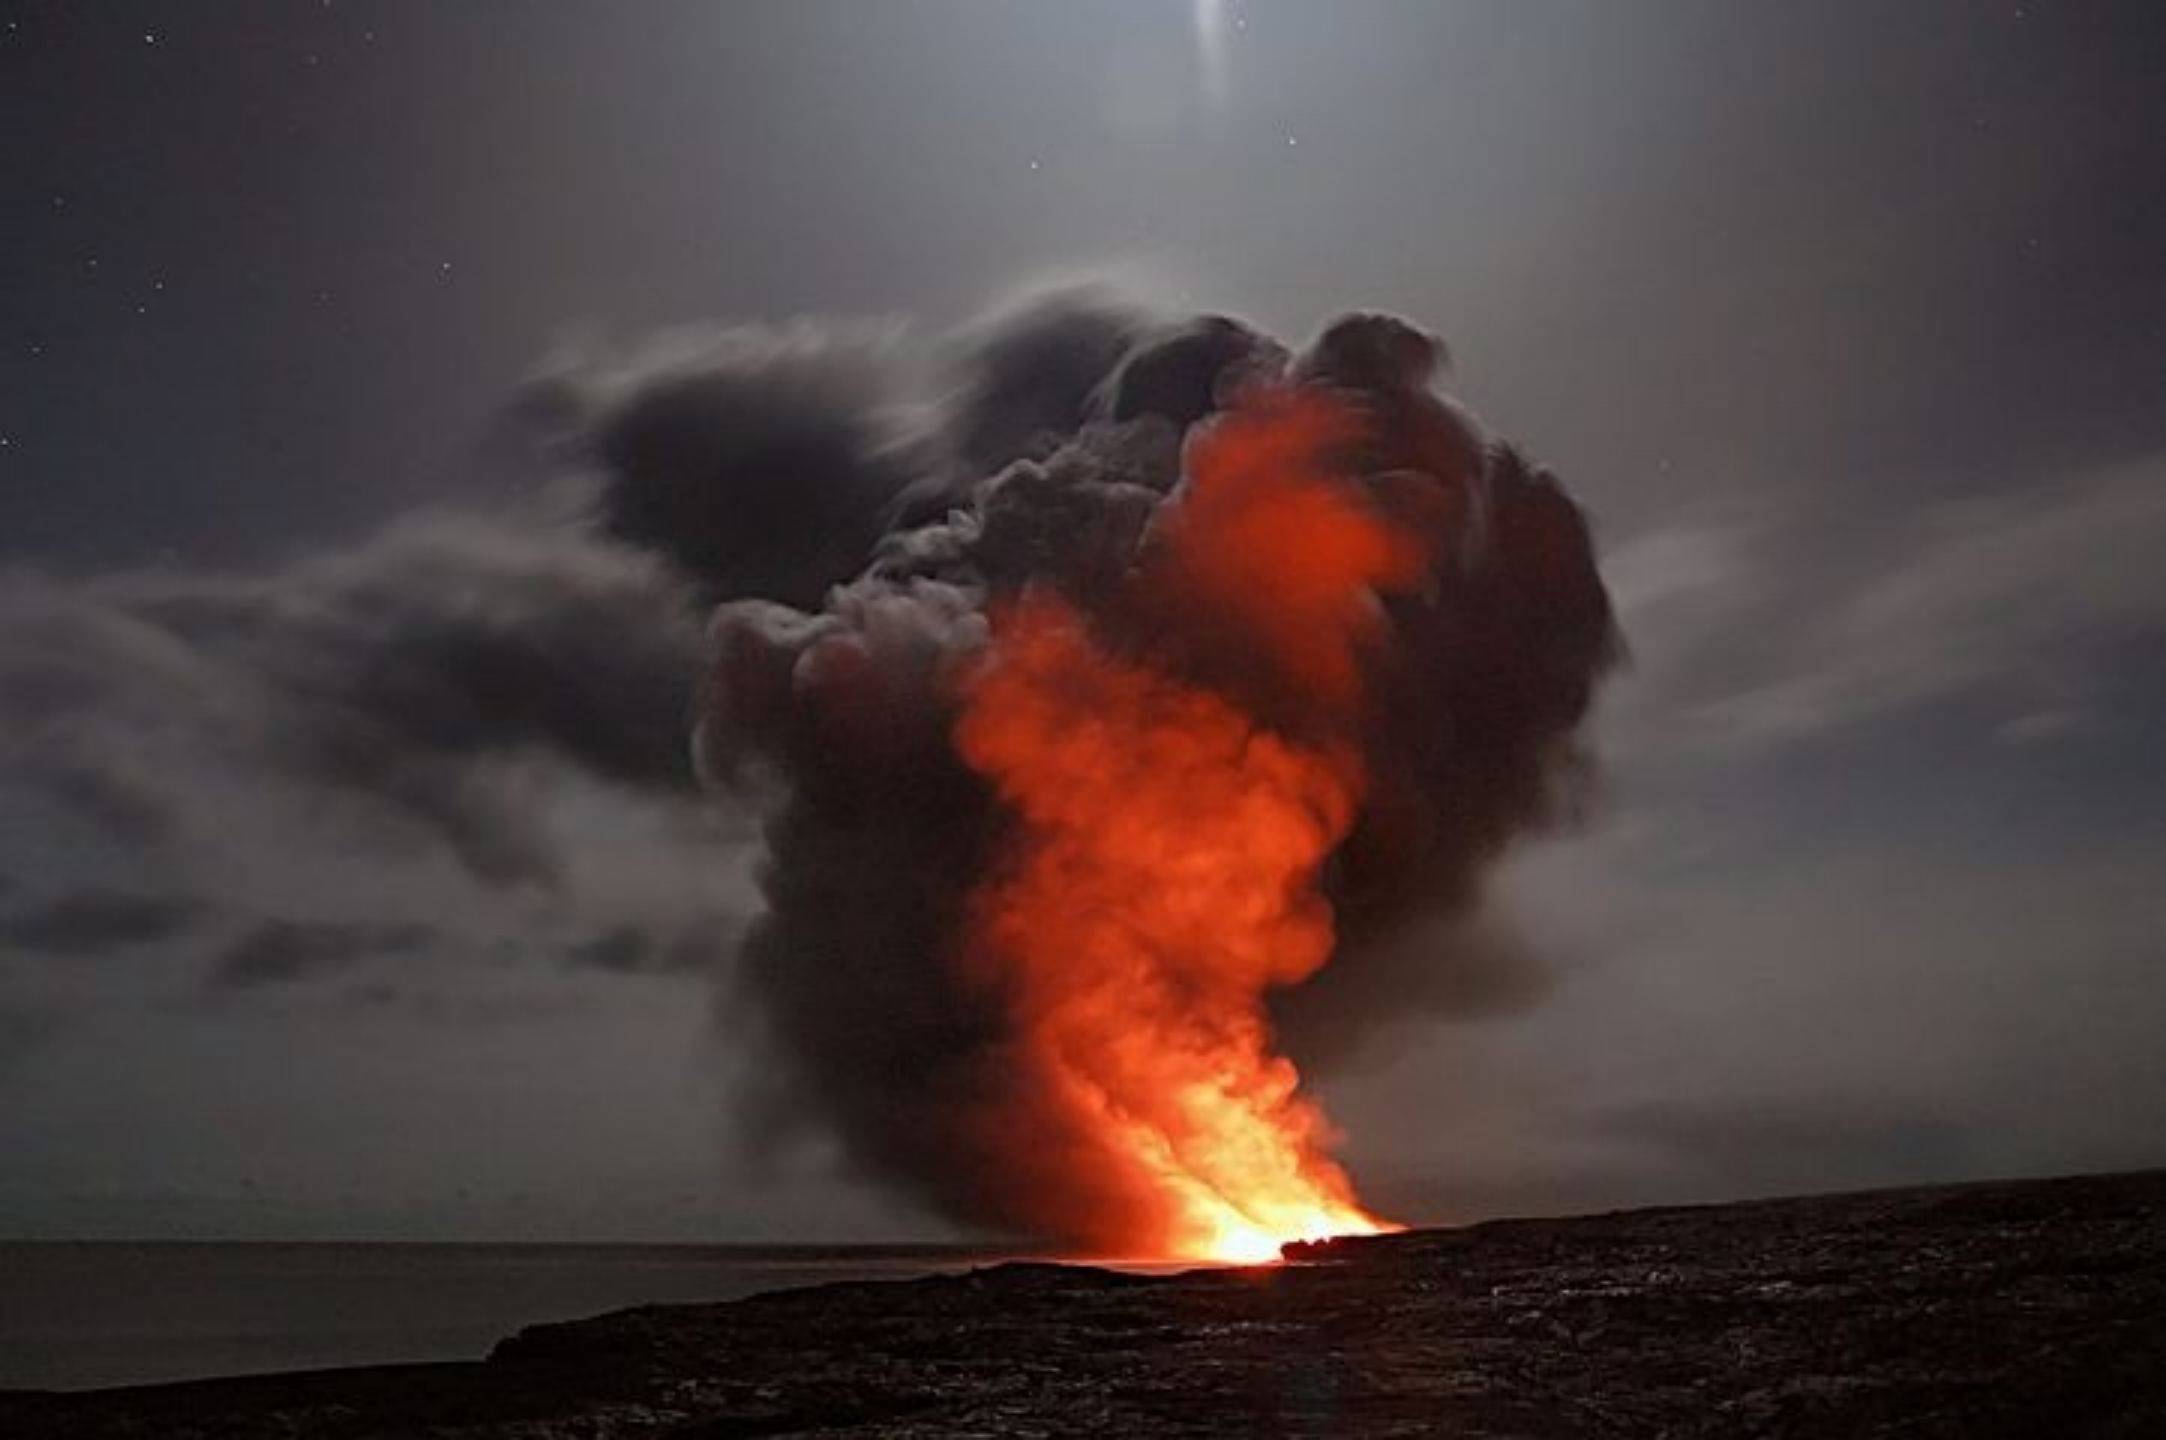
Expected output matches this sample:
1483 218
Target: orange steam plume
1166 872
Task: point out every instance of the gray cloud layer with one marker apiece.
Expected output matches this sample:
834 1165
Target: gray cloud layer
94 921
401 680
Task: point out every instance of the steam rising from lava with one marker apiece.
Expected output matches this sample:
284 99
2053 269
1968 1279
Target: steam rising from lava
1189 730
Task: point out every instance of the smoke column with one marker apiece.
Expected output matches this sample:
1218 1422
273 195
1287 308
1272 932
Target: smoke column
1176 743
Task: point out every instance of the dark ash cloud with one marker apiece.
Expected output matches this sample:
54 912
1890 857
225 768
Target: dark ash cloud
756 461
281 952
882 834
630 949
97 921
1027 379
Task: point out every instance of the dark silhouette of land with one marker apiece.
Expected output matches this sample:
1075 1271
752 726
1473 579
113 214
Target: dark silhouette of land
2028 1308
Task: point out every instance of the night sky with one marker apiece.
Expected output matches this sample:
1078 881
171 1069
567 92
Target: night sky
1846 321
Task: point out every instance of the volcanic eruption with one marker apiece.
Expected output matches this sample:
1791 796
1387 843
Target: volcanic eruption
1165 732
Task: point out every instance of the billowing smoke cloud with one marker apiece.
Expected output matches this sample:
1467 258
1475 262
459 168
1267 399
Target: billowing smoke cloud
882 837
1028 378
757 461
864 505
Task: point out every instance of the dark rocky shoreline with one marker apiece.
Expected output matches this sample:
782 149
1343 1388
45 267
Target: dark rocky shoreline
2034 1308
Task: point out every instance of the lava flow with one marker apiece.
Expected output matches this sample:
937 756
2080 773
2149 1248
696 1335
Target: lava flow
1164 876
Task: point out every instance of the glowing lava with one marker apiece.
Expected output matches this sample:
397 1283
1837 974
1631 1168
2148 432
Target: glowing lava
1164 873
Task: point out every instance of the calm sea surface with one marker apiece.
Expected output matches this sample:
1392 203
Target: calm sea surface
74 1316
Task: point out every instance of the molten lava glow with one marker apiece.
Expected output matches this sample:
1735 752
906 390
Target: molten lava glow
1164 877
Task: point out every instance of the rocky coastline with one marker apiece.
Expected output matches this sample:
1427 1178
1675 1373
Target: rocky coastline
2021 1308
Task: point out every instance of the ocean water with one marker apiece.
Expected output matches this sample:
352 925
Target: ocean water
78 1316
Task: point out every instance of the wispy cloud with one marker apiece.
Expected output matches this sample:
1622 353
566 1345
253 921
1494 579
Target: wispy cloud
1782 629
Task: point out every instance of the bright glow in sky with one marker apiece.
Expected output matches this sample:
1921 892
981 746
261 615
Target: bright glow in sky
1211 49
